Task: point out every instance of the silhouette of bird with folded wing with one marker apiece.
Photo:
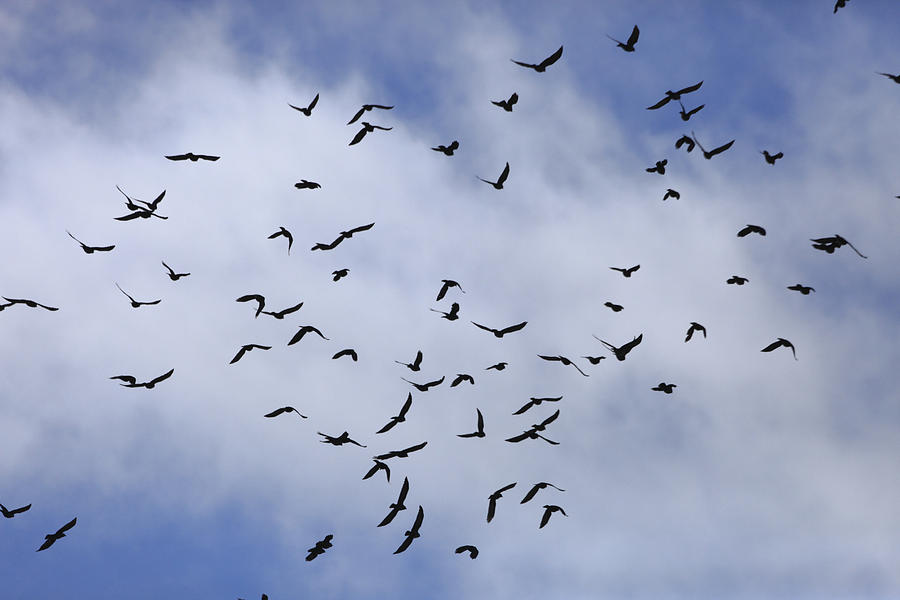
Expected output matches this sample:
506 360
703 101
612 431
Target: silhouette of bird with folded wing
628 46
714 151
52 538
614 307
340 274
284 232
751 229
320 546
736 280
830 244
670 95
259 299
779 343
339 440
9 514
460 377
424 387
685 140
303 184
839 4
498 185
346 352
563 360
594 359
308 110
280 314
622 351
472 550
413 532
803 289
379 466
686 115
497 366
492 500
366 108
131 382
193 157
659 167
172 274
549 509
664 387
400 418
537 487
415 365
247 348
304 329
479 432
283 410
501 332
135 303
771 158
536 402
90 249
694 327
448 283
542 66
670 193
397 506
401 453
331 246
626 272
367 128
448 150
450 316
507 105
29 303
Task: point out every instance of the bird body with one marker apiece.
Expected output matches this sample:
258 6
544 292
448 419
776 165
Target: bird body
664 387
308 110
320 546
447 150
549 509
622 351
694 327
771 158
507 105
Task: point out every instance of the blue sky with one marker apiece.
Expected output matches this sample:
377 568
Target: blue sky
759 477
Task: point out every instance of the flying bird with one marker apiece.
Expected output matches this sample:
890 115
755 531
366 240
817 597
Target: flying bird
193 157
492 499
308 110
737 280
664 387
536 402
349 233
533 434
135 303
260 301
450 316
172 274
29 303
151 206
771 158
131 382
626 272
537 487
448 283
780 342
282 410
280 314
497 367
379 466
247 348
670 95
563 360
424 387
460 377
284 232
751 229
894 78
498 185
448 150
507 105
479 432
397 506
670 193
400 418
415 365
685 140
412 533
340 440
90 249
839 4
686 115
714 151
549 509
614 307
803 289
472 550
622 351
346 352
9 514
52 538
367 128
320 546
339 274
304 329
632 40
303 184
400 453
659 167
694 327
501 332
542 66
365 108
830 244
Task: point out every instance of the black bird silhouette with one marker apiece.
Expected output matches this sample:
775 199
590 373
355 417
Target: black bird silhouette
492 499
90 249
340 440
751 229
670 95
448 150
479 432
549 509
498 366
131 382
9 514
472 550
308 110
803 289
135 303
247 348
260 300
320 546
830 244
778 344
400 418
626 272
413 532
282 313
563 360
664 387
303 331
694 327
542 66
415 365
714 151
536 402
343 235
172 274
501 332
533 434
397 506
349 233
534 490
498 185
632 40
660 167
284 232
339 274
450 316
346 352
894 78
460 377
737 280
448 283
507 105
367 128
670 193
400 453
365 108
594 359
29 303
685 140
839 4
771 158
423 387
379 466
614 307
622 351
52 538
303 184
686 115
282 410
193 157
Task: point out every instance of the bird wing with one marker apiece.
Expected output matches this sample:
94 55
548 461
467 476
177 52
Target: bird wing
67 526
16 511
208 157
632 343
418 360
513 328
127 378
238 356
551 59
162 377
361 228
435 382
513 99
659 104
356 116
527 405
276 412
524 64
633 38
442 291
177 157
74 238
406 405
483 327
689 89
480 421
492 508
550 419
518 438
312 104
721 148
546 517
551 358
359 136
531 493
103 248
772 346
414 448
503 175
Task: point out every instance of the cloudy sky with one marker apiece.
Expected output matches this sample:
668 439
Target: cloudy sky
759 477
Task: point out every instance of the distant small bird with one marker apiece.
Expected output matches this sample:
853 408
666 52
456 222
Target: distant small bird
670 193
450 316
460 377
401 453
131 381
563 360
400 418
135 303
379 466
628 46
303 184
626 272
413 532
247 348
283 410
397 506
284 232
894 78
714 151
346 352
9 514
472 550
52 538
670 95
660 167
614 307
498 367
303 331
90 249
259 299
172 274
537 487
424 387
686 115
415 365
448 150
542 66
492 500
320 546
498 185
664 387
340 273
448 283
193 157
367 128
536 402
751 229
339 440
549 509
737 280
685 140
280 314
501 332
694 327
779 343
803 289
839 4
771 158
507 105
594 359
622 351
479 432
308 110
366 108
830 244
29 303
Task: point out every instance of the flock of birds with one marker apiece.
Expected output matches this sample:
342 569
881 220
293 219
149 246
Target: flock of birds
140 209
